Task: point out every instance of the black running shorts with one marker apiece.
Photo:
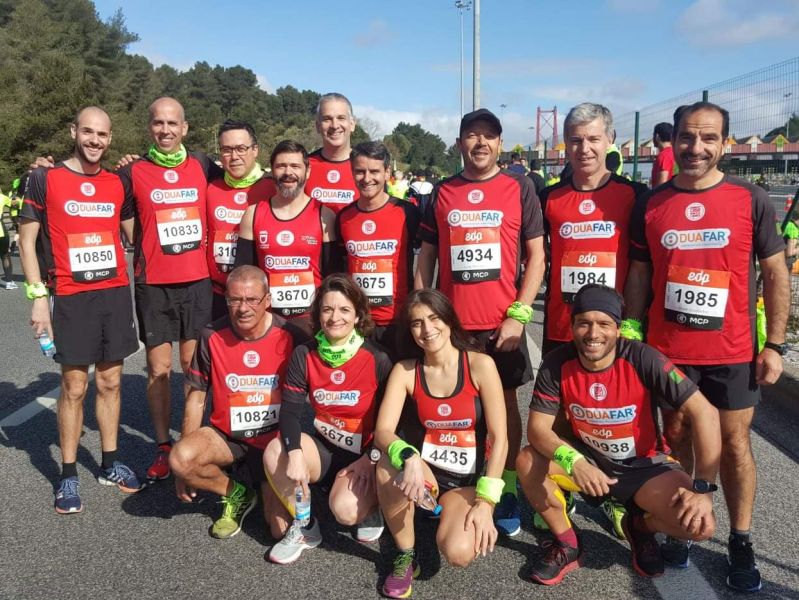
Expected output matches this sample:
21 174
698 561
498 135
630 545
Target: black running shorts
172 312
727 387
514 367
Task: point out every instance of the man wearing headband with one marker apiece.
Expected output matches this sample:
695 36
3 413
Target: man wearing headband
609 388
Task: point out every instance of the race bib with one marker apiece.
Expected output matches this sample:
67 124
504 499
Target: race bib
225 249
253 413
179 229
475 254
344 433
580 268
292 293
696 297
92 256
375 276
615 442
452 450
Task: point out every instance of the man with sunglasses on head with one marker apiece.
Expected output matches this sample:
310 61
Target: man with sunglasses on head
241 358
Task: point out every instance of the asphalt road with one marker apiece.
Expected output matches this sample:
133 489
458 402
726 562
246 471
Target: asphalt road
149 545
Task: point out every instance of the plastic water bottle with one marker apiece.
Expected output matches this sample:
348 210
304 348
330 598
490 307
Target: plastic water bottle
302 506
46 344
427 501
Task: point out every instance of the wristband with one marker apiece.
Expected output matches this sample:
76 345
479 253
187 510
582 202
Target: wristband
489 489
565 456
394 450
523 313
632 329
35 290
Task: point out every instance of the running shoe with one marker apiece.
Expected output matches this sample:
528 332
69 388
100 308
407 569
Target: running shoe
615 513
399 584
571 508
647 561
558 560
10 285
507 515
160 467
121 476
675 552
296 540
67 496
742 574
234 508
371 528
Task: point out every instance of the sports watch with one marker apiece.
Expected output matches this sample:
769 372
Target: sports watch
374 455
406 454
703 486
780 349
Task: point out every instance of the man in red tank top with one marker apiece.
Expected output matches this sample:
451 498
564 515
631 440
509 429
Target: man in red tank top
694 244
478 226
71 219
289 236
330 180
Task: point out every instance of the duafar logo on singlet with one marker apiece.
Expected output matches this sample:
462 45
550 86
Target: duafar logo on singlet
228 215
371 247
332 196
475 218
175 196
251 383
90 210
588 230
336 397
603 416
454 424
287 262
696 239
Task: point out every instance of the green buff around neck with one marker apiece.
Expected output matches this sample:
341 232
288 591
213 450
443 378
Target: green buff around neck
245 181
164 159
335 356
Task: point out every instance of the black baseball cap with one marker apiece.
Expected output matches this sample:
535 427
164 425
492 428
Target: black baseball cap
481 114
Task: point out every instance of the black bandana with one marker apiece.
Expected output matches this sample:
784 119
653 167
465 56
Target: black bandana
598 297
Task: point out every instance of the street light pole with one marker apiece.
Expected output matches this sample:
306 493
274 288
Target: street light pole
787 132
462 5
476 61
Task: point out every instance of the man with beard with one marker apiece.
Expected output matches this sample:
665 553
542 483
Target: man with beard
228 197
693 246
330 179
377 233
485 230
290 237
71 218
610 387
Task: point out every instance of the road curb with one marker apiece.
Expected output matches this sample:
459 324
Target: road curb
785 393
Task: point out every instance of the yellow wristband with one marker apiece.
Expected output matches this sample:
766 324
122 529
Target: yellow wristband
35 290
489 489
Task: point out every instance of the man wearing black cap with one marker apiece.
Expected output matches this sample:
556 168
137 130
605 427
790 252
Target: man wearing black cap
485 229
609 387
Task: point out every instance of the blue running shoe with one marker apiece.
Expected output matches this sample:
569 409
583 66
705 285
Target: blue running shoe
507 515
121 476
67 497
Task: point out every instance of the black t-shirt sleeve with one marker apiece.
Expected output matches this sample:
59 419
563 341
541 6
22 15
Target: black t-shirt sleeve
660 375
428 228
294 392
538 183
546 391
767 241
543 198
532 219
210 168
129 203
33 207
639 249
199 373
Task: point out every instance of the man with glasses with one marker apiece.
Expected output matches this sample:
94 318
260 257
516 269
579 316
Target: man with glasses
241 359
228 198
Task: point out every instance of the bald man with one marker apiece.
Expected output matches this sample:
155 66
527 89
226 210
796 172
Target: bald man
71 218
166 191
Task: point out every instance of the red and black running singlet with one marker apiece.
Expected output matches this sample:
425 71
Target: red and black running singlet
290 253
702 246
480 228
344 399
331 181
226 206
245 377
380 253
171 206
588 233
79 247
612 411
454 428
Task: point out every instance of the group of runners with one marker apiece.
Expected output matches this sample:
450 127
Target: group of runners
297 295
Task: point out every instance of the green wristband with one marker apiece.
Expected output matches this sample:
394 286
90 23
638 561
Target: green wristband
395 448
35 290
632 330
565 456
490 489
523 313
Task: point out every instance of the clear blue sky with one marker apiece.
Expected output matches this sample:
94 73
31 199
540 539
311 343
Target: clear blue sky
400 60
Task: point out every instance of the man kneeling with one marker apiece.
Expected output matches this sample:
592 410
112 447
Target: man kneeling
242 358
609 387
